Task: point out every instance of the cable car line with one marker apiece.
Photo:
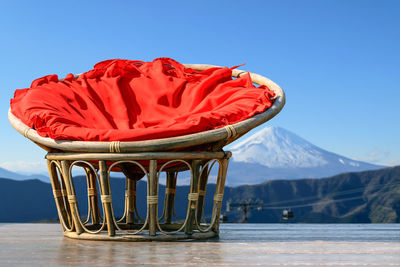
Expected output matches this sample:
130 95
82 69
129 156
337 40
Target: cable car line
287 213
338 193
314 203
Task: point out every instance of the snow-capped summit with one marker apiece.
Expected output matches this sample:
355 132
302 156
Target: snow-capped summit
275 147
276 153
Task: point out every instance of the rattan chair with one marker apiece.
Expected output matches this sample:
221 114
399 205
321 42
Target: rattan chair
198 153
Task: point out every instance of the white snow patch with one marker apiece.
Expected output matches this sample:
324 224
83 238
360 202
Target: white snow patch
277 148
354 164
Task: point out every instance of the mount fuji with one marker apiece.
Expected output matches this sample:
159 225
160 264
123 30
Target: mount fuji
276 153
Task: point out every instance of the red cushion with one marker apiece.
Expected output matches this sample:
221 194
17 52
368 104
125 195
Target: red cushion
125 100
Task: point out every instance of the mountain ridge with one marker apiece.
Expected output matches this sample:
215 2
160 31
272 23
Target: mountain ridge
18 176
356 197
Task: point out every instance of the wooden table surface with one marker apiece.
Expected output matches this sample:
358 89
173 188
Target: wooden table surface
43 244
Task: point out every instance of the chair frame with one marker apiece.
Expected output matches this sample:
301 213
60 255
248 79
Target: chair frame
196 153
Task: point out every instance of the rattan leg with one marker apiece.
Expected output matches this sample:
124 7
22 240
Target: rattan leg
170 191
106 197
202 192
72 200
92 195
58 195
219 193
193 196
130 199
65 197
152 197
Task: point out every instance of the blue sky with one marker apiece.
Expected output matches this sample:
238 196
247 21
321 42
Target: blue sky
337 61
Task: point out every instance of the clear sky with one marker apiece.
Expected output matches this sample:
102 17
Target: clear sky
338 61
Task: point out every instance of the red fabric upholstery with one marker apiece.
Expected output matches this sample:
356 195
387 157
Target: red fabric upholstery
124 100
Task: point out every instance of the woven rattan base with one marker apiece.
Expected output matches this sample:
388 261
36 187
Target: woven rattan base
101 222
141 237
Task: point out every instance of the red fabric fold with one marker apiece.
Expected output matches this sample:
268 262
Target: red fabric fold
126 100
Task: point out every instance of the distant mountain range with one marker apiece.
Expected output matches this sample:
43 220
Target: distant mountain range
276 153
358 197
18 176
